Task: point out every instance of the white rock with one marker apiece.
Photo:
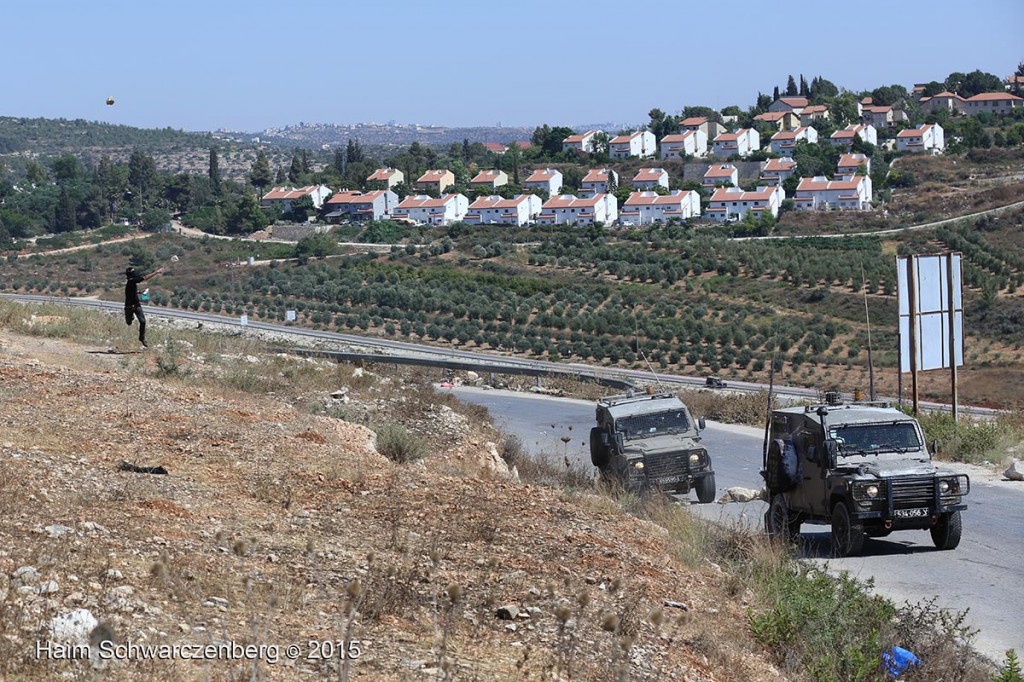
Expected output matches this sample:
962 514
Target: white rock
1015 472
48 587
738 494
113 574
26 575
57 530
73 626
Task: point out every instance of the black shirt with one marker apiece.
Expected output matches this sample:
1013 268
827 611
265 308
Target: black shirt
131 290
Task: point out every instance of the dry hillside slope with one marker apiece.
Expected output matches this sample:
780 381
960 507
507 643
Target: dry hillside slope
273 523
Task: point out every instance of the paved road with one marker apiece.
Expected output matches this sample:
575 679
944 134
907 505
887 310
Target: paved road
983 575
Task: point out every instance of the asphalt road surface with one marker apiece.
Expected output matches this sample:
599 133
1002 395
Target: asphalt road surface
982 576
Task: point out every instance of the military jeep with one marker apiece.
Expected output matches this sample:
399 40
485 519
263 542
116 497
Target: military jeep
862 468
650 442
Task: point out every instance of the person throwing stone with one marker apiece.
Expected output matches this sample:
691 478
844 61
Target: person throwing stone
132 303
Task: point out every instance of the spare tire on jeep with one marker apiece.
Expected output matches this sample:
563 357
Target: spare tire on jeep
783 470
598 451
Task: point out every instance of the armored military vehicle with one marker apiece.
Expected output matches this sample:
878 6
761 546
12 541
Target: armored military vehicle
651 442
860 467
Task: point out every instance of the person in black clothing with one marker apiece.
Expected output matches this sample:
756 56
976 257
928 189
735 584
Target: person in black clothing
132 303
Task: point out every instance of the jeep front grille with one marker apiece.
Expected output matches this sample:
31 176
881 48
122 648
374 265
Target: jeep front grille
666 465
913 493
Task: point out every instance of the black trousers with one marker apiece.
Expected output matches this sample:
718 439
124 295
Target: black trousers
133 311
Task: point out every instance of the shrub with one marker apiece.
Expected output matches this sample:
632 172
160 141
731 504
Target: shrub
398 445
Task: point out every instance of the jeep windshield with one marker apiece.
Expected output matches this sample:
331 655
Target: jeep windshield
651 425
864 439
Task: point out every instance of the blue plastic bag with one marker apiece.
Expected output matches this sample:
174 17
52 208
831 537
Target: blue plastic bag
897 659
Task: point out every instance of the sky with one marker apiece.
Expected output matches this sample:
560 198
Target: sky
249 66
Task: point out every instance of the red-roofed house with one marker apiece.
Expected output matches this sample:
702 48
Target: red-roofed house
448 208
711 129
353 205
849 164
640 144
993 103
721 174
742 142
489 179
546 180
794 104
581 142
689 143
644 208
566 209
880 117
1015 84
282 197
925 138
495 147
732 203
848 193
783 120
948 101
389 176
784 142
596 181
844 137
774 171
649 178
436 180
815 112
495 210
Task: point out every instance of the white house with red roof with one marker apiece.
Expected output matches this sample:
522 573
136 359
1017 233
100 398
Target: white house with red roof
775 171
844 137
993 103
944 101
878 116
446 209
688 143
495 147
851 193
721 174
389 176
649 178
815 112
581 142
784 142
849 164
794 104
494 210
597 180
355 205
646 207
489 179
782 120
742 142
283 197
567 209
548 180
732 203
711 129
435 180
924 138
640 144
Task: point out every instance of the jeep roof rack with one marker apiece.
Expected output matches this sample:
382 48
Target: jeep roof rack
846 406
639 395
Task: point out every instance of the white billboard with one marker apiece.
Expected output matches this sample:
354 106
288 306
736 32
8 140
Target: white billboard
931 279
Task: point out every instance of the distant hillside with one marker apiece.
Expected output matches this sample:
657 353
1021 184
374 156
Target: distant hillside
43 135
320 134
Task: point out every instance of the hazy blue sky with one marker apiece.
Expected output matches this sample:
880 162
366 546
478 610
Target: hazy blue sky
256 64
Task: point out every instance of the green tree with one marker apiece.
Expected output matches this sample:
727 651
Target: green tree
260 174
246 216
822 89
791 89
316 245
64 217
65 168
142 177
977 82
295 171
775 94
112 181
154 220
354 152
35 173
214 172
804 90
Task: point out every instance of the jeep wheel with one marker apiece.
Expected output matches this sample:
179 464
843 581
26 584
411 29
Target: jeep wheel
777 519
946 533
847 536
706 489
598 452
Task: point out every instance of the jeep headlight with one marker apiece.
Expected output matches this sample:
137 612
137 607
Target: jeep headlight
698 458
866 492
639 466
943 487
954 486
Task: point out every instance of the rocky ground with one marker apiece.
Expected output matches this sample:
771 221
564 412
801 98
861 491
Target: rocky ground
275 526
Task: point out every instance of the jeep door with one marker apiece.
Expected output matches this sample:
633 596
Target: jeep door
810 495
